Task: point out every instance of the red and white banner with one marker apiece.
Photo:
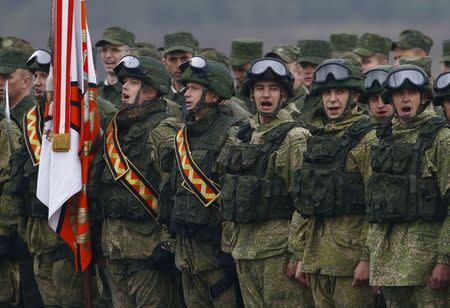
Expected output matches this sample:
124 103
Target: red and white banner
72 126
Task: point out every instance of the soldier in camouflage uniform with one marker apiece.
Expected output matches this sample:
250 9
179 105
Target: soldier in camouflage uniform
445 60
289 55
408 197
243 52
373 50
442 93
257 182
329 188
12 247
208 273
342 43
115 43
179 47
373 87
312 53
124 189
412 43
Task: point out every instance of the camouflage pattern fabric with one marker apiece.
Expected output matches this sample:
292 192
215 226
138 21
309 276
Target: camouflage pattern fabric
404 254
264 283
110 93
420 297
331 291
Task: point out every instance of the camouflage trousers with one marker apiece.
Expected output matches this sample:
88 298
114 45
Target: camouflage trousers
196 290
264 283
416 297
9 283
331 291
144 288
59 283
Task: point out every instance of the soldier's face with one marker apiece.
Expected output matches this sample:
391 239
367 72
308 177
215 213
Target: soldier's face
40 78
446 107
193 95
379 109
406 102
335 101
173 60
19 82
111 54
306 72
370 62
130 89
398 53
445 67
239 72
268 95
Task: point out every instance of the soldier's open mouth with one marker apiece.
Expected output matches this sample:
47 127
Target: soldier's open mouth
125 97
334 108
266 105
406 109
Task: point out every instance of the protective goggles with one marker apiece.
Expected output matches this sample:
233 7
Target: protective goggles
396 79
442 81
41 57
131 63
338 71
260 66
196 63
373 76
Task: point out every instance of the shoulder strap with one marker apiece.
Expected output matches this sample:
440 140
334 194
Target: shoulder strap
427 135
353 136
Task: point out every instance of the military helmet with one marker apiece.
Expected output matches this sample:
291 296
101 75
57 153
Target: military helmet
40 60
336 73
373 83
213 75
146 69
268 69
442 88
407 76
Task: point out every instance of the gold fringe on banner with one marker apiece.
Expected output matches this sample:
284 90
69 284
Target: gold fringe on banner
61 143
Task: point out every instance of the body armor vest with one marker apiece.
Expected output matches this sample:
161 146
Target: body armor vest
248 196
112 197
396 192
188 216
323 187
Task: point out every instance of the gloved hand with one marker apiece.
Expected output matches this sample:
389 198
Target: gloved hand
229 277
162 257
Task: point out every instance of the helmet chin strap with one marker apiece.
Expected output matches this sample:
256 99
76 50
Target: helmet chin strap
129 107
189 115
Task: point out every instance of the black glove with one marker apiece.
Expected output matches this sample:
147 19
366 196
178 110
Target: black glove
229 277
5 246
162 257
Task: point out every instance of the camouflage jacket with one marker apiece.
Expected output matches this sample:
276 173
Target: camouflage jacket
270 238
335 245
145 143
10 205
404 254
111 93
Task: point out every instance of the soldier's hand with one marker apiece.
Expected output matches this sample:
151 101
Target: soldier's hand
376 290
291 269
361 274
440 277
302 277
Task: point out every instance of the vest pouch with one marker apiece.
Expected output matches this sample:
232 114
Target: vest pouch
188 209
250 155
430 204
280 203
353 195
400 156
250 198
323 149
233 160
227 196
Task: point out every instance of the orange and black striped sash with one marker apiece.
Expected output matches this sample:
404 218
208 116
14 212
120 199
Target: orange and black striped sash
195 180
124 171
33 134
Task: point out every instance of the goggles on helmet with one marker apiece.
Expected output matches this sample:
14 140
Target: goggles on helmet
338 71
442 81
372 76
41 57
260 66
397 79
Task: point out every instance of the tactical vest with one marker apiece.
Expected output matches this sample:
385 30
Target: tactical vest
323 187
189 217
247 195
396 191
116 201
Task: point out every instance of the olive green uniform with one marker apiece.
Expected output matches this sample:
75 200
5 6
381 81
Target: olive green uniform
260 245
331 242
403 254
10 208
111 93
129 234
198 228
